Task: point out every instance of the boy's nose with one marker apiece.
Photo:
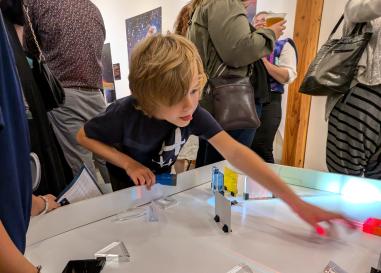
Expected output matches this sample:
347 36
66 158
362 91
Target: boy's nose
187 103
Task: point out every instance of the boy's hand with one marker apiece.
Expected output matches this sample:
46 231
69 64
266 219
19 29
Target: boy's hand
314 215
140 174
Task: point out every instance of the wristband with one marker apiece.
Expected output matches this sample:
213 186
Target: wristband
46 201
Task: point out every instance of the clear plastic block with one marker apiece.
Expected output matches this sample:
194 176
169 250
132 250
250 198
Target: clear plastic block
114 252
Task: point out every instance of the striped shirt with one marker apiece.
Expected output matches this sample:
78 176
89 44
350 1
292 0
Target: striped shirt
354 134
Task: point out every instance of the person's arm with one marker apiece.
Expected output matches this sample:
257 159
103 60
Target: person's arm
139 174
359 11
280 74
39 203
285 71
11 259
251 164
230 33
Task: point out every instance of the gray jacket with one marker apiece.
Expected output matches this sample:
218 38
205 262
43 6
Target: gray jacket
221 32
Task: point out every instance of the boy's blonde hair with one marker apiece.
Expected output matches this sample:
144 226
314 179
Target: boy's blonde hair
162 68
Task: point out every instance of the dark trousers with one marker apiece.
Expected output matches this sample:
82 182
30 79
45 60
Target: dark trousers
208 155
265 135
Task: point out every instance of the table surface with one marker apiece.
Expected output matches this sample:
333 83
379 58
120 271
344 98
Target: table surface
266 234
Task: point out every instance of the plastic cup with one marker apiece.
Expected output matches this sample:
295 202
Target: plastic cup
273 18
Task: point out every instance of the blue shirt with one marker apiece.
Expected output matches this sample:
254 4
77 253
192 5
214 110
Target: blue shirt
15 173
152 142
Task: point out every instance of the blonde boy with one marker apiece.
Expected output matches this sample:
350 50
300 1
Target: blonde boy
141 135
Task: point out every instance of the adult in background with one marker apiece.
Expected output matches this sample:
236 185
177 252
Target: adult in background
354 128
221 32
182 21
55 172
15 183
281 69
71 35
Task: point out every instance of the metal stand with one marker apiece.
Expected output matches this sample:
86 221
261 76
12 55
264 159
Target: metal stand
223 212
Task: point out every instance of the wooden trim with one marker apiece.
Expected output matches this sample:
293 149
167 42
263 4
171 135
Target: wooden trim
306 37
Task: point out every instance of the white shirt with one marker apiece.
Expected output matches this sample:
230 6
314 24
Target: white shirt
287 59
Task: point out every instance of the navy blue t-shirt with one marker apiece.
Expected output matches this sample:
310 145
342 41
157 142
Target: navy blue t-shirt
152 142
15 173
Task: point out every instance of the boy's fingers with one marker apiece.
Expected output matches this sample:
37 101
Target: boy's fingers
349 223
153 177
135 180
140 180
147 178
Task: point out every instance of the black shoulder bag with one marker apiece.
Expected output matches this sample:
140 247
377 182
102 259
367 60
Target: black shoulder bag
52 92
232 101
335 65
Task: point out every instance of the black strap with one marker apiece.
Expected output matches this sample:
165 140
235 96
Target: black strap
337 26
356 30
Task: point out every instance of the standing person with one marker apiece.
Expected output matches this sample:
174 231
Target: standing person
15 183
182 21
221 32
281 69
71 35
55 172
354 127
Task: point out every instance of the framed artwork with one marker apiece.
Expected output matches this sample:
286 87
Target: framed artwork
116 70
107 75
141 26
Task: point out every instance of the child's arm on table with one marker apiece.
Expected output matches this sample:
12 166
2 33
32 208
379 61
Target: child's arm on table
140 174
251 164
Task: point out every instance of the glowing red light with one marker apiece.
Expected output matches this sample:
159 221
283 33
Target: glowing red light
320 231
372 226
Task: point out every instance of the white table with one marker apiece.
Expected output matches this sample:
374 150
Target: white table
266 235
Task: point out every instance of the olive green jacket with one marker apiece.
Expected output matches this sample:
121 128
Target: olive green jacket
221 32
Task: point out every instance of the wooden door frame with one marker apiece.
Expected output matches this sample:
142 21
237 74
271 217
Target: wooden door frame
308 17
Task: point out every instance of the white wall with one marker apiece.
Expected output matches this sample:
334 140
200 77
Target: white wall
288 6
115 12
318 127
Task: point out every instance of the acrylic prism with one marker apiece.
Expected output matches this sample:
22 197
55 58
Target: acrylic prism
114 252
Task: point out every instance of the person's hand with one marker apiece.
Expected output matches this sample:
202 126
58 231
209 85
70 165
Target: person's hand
140 174
314 215
278 28
51 199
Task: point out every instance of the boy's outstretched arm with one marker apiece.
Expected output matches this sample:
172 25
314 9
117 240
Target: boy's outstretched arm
251 164
140 174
